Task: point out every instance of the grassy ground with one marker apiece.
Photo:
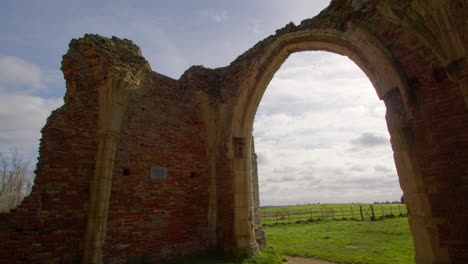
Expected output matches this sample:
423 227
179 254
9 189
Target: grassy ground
360 242
376 242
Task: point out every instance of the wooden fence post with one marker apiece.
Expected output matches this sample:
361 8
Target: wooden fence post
360 209
373 214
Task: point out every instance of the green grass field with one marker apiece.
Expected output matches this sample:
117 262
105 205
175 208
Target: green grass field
305 207
370 242
291 214
314 206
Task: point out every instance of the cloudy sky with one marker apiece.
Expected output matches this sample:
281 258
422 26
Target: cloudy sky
320 130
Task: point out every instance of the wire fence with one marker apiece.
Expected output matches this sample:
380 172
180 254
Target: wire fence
366 212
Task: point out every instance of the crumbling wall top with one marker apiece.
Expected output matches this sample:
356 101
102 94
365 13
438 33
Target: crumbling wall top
90 58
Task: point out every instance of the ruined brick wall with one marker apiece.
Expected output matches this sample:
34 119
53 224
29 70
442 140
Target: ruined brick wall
147 218
49 224
199 128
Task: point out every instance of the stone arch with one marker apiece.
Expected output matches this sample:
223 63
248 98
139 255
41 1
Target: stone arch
391 86
361 47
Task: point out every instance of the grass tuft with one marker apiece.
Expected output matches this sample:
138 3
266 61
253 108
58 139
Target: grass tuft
269 256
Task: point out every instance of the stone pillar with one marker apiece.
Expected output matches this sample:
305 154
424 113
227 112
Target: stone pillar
100 192
243 200
259 233
114 92
211 114
422 224
425 234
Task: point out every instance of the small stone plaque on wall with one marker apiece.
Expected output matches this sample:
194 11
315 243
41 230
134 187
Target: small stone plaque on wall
158 173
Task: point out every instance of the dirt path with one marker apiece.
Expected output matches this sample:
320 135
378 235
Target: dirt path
297 260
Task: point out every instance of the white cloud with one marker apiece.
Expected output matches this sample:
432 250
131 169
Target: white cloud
382 168
315 108
257 27
18 71
22 117
369 139
215 15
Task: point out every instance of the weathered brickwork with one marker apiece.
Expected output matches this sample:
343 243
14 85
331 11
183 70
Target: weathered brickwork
48 226
94 200
159 218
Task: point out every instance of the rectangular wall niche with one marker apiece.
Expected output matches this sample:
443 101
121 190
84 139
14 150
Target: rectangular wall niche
238 147
158 173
